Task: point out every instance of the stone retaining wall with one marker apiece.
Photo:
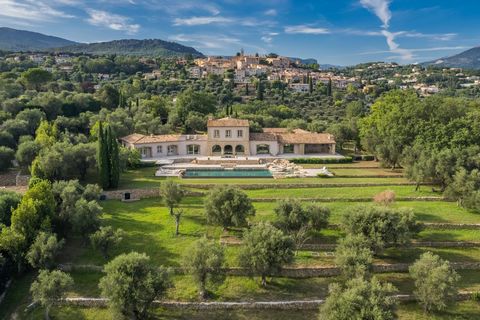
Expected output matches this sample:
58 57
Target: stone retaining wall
7 179
137 194
22 180
260 186
295 272
312 304
360 199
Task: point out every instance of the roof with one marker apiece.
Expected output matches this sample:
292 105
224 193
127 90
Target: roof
132 138
227 122
263 136
284 130
306 138
146 139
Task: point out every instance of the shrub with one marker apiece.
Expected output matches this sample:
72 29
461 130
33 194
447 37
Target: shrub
385 198
6 157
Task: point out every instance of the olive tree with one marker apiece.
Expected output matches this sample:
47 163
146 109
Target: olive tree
353 256
43 250
132 284
105 238
435 282
204 261
381 226
49 288
359 298
298 221
172 194
86 218
266 250
228 206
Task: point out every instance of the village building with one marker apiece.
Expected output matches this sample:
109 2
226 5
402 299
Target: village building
230 137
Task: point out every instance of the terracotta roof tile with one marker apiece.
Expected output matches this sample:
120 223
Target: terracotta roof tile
227 122
263 136
308 138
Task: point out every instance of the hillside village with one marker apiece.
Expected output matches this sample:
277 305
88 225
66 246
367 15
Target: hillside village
244 70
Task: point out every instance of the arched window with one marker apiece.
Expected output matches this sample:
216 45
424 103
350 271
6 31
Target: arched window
228 149
263 149
239 149
216 149
193 149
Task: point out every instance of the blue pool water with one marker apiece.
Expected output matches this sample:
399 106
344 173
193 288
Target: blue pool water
222 173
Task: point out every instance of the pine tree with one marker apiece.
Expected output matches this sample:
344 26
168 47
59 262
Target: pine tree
102 158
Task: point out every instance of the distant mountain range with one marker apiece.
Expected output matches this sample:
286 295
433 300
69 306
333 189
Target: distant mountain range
147 47
20 40
469 59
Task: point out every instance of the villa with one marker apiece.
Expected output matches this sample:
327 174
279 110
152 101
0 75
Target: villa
230 137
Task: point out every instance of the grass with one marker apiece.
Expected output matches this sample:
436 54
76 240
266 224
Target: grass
345 192
145 178
149 228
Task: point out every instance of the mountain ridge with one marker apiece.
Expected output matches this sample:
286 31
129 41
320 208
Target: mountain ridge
24 40
468 59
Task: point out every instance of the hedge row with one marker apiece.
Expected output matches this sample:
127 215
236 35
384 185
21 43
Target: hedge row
363 157
321 160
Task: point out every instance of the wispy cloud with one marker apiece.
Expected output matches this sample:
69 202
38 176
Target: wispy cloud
214 42
112 21
380 8
30 10
197 21
305 29
271 12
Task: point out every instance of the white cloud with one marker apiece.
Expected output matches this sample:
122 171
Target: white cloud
196 21
304 29
112 21
380 8
30 10
271 12
215 42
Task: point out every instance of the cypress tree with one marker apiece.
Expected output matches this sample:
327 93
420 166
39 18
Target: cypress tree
329 88
310 84
114 159
260 90
246 89
102 158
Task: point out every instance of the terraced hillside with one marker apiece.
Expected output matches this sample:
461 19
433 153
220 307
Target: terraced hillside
448 230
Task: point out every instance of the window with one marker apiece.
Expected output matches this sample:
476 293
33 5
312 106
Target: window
172 150
228 133
288 148
193 149
159 149
216 133
239 133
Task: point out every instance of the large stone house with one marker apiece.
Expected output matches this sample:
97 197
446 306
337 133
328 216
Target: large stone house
228 137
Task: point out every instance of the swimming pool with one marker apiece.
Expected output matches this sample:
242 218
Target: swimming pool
227 173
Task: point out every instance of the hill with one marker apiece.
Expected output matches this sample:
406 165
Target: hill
22 40
147 47
469 59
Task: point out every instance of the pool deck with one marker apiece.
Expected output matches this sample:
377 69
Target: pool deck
169 159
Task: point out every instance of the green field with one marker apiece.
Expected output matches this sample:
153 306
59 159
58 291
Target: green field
149 228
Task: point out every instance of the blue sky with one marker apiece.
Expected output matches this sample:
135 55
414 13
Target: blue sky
340 32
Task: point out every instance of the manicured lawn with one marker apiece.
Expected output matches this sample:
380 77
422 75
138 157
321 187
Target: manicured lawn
366 172
345 192
425 211
467 310
145 178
